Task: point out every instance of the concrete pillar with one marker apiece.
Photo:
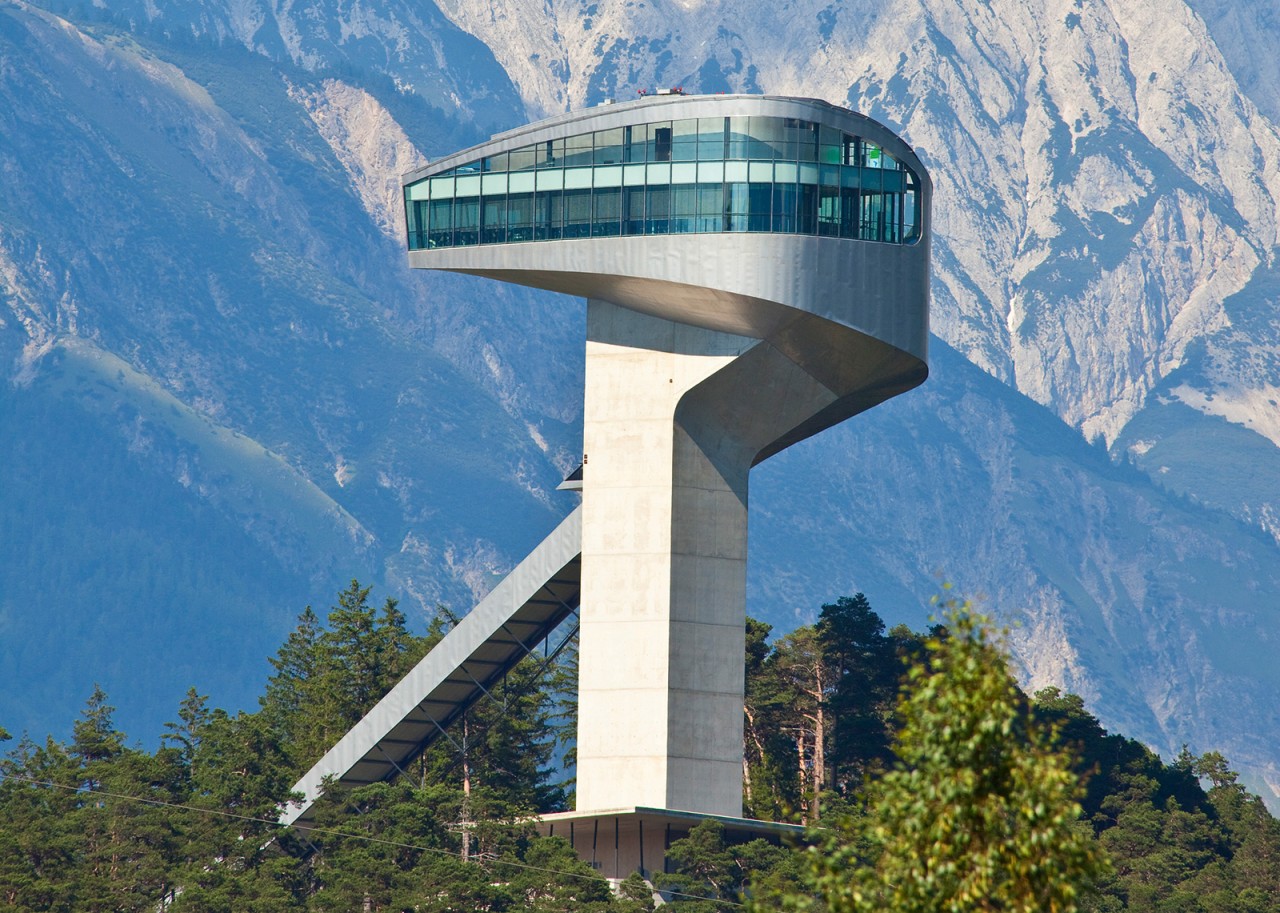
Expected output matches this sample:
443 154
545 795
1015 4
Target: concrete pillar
663 572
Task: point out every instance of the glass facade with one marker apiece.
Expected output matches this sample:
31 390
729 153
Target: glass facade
707 174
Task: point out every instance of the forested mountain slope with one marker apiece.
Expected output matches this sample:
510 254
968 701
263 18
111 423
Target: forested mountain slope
224 392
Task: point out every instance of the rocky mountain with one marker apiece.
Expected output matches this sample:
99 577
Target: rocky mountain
225 393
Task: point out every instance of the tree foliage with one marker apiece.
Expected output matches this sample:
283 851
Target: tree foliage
977 809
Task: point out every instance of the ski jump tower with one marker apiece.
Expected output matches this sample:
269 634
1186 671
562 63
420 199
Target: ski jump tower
756 270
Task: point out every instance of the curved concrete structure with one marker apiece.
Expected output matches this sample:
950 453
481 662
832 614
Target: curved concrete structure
710 347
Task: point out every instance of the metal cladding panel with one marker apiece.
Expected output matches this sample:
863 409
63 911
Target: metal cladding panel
521 610
742 283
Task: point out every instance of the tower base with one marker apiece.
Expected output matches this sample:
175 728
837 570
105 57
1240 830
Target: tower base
619 841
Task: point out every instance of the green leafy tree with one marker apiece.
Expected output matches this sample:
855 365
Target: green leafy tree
981 811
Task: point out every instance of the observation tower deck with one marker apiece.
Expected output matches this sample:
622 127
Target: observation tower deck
756 270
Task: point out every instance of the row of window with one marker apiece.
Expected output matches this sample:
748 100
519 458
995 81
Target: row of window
816 209
784 139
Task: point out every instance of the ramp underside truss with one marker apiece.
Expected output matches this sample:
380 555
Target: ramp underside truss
507 625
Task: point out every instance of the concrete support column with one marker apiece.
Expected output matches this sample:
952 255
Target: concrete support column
663 572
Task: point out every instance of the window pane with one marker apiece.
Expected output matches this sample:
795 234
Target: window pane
418 190
710 138
610 176
551 154
767 138
684 140
807 209
493 230
548 206
738 204
493 183
684 173
711 207
523 159
578 151
760 204
577 213
658 209
466 220
684 208
607 206
784 208
739 138
520 217
633 211
633 144
609 146
441 187
577 177
521 182
658 142
496 162
550 180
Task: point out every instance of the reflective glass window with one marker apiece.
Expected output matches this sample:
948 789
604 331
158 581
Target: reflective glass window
493 227
711 146
578 151
633 144
693 175
440 228
759 207
466 220
441 187
548 207
807 209
577 213
550 180
684 173
608 147
737 206
684 140
830 145
523 159
520 217
711 214
684 207
609 176
658 142
551 154
606 211
802 140
767 138
657 209
784 208
739 138
633 210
